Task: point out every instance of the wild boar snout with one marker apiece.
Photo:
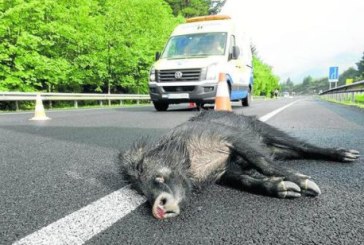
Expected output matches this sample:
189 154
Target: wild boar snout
165 206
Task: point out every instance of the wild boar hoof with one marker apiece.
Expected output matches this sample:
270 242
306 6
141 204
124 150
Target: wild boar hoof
310 188
288 189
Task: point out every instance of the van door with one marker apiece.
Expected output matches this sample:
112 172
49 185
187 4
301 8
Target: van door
235 71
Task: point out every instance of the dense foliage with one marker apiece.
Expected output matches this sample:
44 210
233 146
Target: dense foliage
359 98
81 45
360 65
265 82
94 45
190 8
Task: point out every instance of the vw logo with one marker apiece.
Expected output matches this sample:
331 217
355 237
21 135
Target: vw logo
178 74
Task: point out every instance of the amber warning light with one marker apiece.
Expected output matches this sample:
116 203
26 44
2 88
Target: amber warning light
208 18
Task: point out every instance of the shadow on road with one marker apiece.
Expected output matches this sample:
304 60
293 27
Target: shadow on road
108 137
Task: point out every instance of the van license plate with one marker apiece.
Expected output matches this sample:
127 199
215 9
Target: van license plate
178 96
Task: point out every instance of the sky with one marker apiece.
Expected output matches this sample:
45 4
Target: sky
299 38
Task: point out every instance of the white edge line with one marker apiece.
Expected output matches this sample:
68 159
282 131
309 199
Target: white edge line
275 112
80 226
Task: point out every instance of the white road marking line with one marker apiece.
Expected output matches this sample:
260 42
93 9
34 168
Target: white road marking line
275 112
82 225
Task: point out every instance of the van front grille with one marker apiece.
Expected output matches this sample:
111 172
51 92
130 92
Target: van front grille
183 75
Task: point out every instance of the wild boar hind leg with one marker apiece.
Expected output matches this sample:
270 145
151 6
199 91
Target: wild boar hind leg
284 146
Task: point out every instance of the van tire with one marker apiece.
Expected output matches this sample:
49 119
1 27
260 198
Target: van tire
247 100
160 106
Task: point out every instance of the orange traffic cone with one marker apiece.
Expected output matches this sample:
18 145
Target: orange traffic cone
222 99
39 114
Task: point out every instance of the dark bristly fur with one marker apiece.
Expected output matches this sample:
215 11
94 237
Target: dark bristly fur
221 147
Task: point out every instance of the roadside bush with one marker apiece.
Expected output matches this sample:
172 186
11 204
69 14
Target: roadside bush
359 98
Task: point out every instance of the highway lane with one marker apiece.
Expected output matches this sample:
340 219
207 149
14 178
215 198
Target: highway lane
51 169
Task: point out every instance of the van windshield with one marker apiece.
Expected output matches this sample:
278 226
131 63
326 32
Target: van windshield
195 45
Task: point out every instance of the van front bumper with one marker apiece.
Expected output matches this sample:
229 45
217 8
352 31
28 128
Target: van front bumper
182 93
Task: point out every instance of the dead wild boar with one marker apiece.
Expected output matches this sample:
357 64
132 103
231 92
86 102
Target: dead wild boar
222 147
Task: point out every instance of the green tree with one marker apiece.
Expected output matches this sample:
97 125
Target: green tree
265 82
287 86
307 81
350 73
190 8
360 65
132 36
320 84
40 41
306 87
81 45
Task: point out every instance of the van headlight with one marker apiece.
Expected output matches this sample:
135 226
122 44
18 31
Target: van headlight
212 72
152 75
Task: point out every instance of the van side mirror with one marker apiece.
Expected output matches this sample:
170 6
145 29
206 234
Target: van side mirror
236 52
157 56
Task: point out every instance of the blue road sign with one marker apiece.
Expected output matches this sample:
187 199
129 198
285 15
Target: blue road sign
334 74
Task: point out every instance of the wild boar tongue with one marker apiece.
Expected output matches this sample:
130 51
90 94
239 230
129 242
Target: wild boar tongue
160 213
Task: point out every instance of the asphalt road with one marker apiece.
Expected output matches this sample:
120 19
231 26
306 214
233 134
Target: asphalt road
51 169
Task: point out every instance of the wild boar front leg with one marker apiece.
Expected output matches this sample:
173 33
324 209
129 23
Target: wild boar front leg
270 186
264 165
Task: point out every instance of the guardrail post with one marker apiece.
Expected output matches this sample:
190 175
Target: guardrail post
137 101
101 104
76 103
121 102
16 106
109 102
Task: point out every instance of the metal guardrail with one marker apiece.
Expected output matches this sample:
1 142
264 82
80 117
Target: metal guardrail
24 96
345 92
354 87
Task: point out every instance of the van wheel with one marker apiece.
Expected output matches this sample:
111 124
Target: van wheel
247 100
160 106
200 106
229 85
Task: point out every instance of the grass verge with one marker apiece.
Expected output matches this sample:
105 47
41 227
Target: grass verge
345 102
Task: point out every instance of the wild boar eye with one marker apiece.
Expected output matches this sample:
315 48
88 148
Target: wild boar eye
159 179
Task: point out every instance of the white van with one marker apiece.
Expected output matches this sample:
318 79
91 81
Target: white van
196 52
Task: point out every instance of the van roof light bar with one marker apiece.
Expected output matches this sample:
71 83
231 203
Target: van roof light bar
208 18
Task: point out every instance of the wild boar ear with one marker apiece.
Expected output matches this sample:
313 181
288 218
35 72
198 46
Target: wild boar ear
133 156
139 166
131 161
